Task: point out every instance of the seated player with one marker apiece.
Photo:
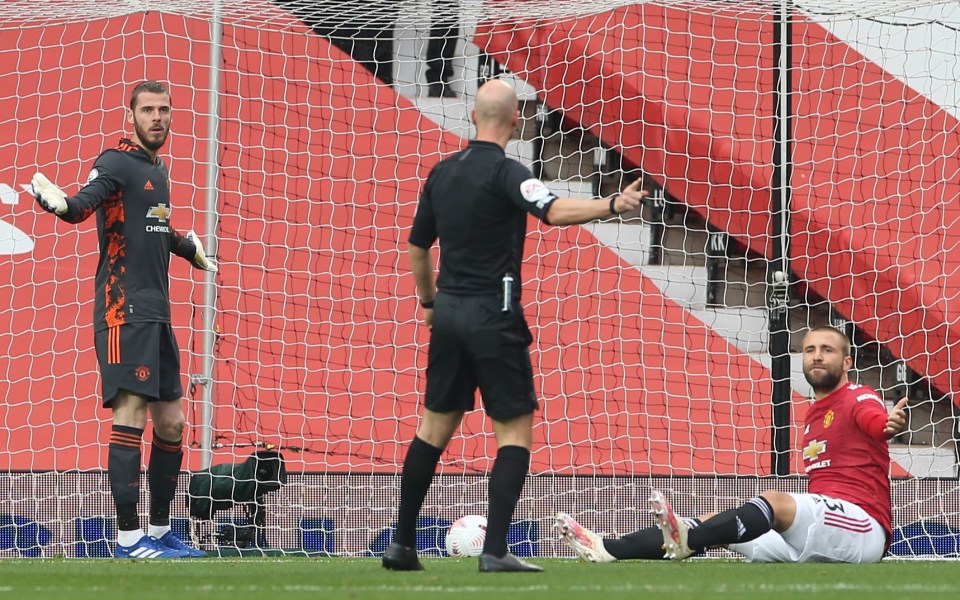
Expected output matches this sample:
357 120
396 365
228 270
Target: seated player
845 517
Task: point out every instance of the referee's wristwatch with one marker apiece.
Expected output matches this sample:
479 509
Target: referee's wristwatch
613 200
426 303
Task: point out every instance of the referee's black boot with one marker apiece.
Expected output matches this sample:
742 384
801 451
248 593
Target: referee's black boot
491 564
401 558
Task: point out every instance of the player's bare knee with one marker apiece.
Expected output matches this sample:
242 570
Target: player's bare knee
784 508
170 429
517 431
129 410
177 427
169 424
436 428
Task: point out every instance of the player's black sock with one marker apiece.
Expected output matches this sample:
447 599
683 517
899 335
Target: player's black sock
748 522
506 483
123 470
166 456
418 469
646 544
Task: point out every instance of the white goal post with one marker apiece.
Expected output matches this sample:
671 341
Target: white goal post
301 161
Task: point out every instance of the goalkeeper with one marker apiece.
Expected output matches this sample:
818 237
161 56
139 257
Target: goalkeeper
845 518
128 190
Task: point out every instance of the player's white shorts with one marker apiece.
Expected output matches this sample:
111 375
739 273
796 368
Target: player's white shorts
824 530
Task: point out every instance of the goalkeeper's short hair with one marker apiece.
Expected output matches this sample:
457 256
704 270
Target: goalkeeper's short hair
152 87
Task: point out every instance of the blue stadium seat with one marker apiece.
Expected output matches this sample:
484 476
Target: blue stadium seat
522 538
316 535
24 535
181 528
928 538
431 537
95 537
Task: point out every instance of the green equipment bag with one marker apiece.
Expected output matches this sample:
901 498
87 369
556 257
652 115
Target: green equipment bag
221 487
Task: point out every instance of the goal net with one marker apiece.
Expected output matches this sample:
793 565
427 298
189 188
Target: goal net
302 134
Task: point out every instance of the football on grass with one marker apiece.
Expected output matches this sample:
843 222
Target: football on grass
466 535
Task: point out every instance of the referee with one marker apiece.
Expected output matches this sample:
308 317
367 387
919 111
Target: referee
476 203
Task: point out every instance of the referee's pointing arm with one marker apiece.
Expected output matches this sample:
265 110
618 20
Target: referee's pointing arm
497 116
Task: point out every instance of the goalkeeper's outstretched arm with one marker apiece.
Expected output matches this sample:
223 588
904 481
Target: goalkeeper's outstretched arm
73 209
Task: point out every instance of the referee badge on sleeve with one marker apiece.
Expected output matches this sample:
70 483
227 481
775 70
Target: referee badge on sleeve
534 191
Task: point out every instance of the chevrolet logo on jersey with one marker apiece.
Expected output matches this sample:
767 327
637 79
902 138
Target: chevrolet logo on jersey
814 449
159 212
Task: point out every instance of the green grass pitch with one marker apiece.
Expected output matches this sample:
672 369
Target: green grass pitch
361 578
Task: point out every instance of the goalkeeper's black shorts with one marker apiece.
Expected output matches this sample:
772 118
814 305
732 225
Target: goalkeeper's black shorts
142 358
474 344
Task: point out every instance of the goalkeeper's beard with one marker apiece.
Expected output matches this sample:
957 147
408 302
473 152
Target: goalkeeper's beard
145 141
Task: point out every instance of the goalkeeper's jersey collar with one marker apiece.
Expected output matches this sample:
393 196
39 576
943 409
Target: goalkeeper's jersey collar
128 145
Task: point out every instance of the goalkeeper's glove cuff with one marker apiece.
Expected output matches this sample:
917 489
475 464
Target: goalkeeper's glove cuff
200 259
48 196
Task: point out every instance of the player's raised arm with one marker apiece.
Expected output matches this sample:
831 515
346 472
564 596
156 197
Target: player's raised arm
73 209
49 196
570 211
100 185
897 419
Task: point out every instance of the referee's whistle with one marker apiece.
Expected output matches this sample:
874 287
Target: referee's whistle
507 293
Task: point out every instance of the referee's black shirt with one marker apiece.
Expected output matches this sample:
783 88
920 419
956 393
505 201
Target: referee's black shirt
476 202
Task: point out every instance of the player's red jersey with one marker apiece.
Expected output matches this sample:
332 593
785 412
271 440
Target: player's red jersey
845 450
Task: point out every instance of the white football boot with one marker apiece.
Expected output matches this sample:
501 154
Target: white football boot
674 529
587 544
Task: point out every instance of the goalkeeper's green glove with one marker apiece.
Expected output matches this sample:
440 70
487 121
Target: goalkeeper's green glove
49 197
200 259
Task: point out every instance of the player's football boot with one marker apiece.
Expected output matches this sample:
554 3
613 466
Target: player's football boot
398 557
674 529
492 564
147 548
171 541
587 544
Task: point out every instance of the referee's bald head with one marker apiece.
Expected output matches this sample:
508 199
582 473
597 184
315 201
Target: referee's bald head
496 104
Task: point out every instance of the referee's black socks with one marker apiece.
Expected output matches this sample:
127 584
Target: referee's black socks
506 483
418 469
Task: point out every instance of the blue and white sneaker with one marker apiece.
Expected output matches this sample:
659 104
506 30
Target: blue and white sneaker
147 548
171 541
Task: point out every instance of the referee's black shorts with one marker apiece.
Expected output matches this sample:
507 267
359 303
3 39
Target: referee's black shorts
142 358
475 345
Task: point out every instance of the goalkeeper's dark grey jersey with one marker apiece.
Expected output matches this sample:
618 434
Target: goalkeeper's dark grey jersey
130 194
476 202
